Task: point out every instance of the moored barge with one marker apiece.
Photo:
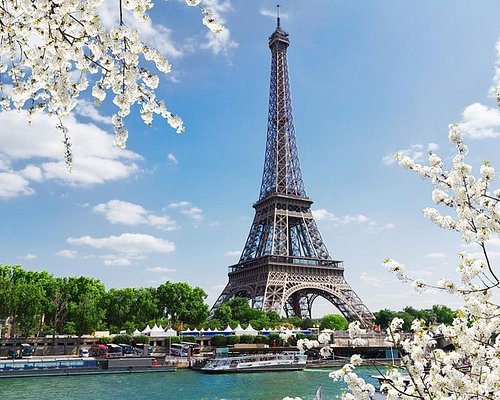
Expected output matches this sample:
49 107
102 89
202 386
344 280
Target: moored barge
63 366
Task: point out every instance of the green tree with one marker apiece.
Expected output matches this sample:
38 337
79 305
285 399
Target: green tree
334 322
85 312
21 298
224 314
442 315
238 311
123 338
218 341
384 317
130 307
182 302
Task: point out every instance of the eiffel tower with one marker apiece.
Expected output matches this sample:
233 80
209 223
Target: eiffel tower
285 265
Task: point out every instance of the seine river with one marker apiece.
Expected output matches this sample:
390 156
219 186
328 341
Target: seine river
180 385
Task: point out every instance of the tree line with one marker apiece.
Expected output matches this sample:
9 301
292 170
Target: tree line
37 303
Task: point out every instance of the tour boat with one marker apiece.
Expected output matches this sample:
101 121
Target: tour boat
256 363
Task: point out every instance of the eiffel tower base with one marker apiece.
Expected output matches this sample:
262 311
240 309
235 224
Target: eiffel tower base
283 285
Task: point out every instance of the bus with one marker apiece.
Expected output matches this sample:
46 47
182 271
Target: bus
114 350
99 350
179 349
127 349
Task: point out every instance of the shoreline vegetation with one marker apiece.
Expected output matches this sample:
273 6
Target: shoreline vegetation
36 304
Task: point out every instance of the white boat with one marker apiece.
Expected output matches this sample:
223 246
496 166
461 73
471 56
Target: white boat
256 363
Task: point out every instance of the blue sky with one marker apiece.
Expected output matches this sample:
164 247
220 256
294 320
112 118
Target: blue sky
368 79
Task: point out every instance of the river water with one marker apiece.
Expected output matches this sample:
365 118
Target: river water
180 385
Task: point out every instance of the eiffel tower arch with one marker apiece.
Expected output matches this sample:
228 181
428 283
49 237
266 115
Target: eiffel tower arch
285 265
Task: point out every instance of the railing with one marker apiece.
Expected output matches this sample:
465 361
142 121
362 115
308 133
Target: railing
288 260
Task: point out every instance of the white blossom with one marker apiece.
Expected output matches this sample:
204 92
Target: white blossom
324 337
51 51
471 369
395 267
419 285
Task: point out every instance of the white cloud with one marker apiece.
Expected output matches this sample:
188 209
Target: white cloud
87 109
130 244
480 122
234 253
160 270
37 150
437 255
12 184
180 204
492 248
271 13
29 257
375 227
325 215
32 173
416 152
186 208
66 253
433 147
219 42
122 212
322 215
117 262
172 159
371 225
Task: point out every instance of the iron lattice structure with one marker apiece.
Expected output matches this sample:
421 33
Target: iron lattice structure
285 264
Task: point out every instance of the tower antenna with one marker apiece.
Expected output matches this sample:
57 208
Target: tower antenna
278 14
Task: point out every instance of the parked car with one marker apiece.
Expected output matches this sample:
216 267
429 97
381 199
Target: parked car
83 352
26 350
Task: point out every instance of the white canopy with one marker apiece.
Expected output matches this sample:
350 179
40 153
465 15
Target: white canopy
170 332
137 332
157 331
146 330
228 329
239 330
250 331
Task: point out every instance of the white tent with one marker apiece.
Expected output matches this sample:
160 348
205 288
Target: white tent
250 331
146 330
137 332
170 332
238 331
195 332
157 331
228 331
